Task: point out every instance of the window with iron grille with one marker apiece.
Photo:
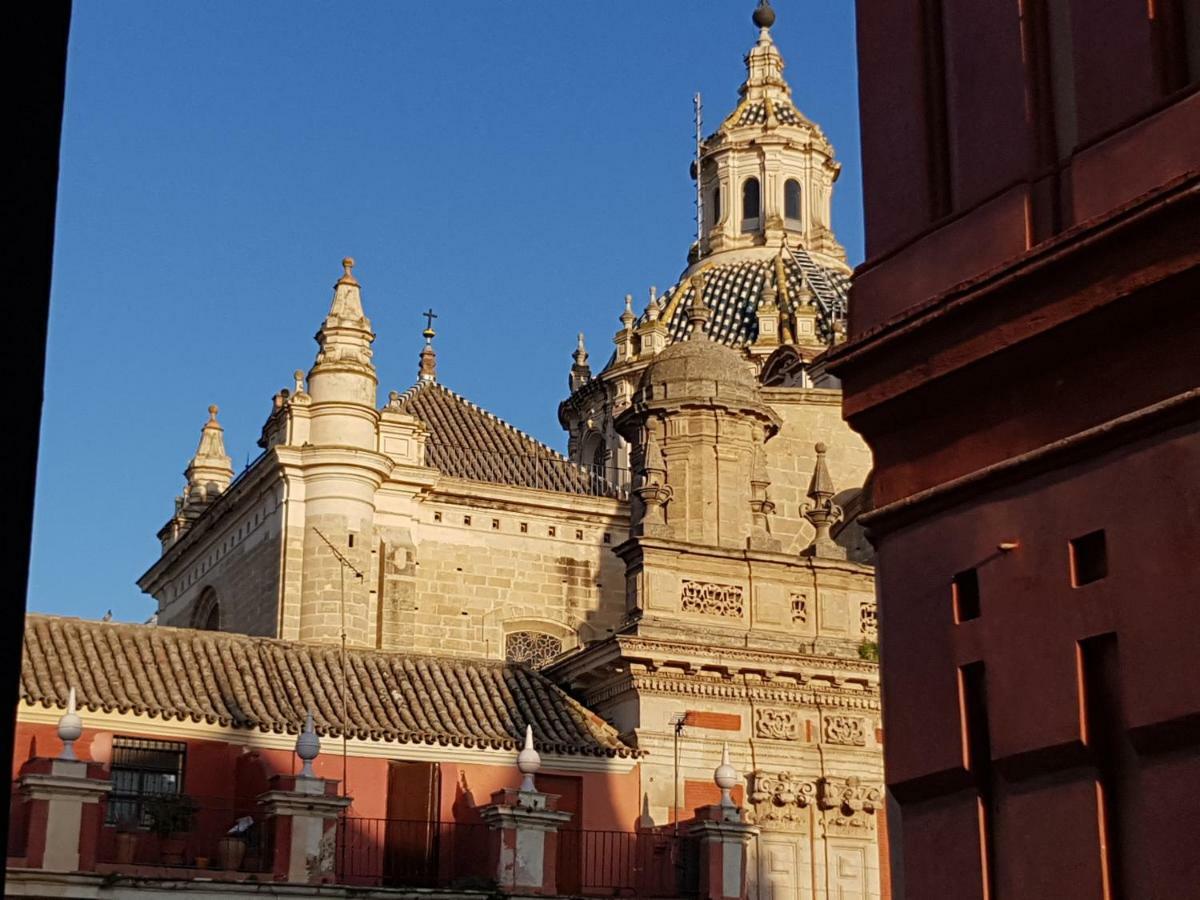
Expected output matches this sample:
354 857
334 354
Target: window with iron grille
142 769
533 647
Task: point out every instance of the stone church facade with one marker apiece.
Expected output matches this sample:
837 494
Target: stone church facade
691 569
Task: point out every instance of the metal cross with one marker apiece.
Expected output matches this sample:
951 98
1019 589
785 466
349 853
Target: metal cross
429 315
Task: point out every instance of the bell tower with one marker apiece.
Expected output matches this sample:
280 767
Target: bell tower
767 173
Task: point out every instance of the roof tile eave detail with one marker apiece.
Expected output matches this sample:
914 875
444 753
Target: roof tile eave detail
262 684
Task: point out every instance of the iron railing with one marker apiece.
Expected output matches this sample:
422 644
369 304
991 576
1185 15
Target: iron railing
396 853
207 844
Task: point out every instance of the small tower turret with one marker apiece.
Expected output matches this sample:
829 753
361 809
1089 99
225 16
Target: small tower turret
342 381
581 372
210 470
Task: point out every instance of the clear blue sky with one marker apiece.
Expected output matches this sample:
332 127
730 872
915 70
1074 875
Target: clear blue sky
519 166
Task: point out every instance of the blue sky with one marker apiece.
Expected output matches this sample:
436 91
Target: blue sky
518 166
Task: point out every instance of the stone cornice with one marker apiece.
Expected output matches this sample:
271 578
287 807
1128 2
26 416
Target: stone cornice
732 691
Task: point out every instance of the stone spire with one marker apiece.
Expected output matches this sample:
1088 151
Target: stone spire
764 63
211 470
821 511
581 372
427 371
345 337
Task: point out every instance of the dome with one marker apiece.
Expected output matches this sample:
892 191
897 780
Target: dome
700 369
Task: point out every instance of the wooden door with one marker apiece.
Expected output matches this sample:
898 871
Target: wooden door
410 838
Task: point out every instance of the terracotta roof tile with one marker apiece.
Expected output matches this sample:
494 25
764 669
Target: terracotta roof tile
264 684
471 443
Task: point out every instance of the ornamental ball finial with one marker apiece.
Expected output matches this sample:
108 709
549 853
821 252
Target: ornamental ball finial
348 264
820 447
528 761
764 16
212 412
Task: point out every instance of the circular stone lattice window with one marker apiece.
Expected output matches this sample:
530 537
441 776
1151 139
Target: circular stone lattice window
533 647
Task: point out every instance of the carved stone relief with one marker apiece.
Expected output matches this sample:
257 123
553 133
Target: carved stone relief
851 804
711 599
847 730
869 620
780 800
799 604
777 724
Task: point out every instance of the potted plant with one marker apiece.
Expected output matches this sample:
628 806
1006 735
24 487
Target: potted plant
126 839
231 848
171 818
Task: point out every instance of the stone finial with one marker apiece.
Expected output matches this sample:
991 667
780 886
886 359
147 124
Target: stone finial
347 271
70 728
528 761
726 778
298 379
764 15
698 311
308 746
821 512
210 470
627 316
581 372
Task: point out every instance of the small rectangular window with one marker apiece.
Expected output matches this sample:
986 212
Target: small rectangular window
1089 558
143 770
495 524
437 516
966 595
466 520
350 540
524 528
607 538
579 534
553 531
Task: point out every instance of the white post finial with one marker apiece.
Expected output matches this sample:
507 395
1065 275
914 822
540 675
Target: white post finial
70 728
528 761
308 747
726 777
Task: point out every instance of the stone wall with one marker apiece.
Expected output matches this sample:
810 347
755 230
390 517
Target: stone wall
809 415
477 571
233 554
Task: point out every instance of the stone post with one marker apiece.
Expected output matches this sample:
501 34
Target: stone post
62 804
302 814
524 827
724 837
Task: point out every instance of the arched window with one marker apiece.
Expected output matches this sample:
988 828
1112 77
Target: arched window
751 204
791 200
206 615
535 648
715 205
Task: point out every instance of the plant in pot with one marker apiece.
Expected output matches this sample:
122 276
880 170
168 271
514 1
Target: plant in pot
171 818
127 838
231 849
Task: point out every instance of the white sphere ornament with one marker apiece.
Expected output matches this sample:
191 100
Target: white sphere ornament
528 761
726 777
308 747
70 727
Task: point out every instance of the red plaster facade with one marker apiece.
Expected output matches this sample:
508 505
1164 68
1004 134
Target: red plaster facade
1024 360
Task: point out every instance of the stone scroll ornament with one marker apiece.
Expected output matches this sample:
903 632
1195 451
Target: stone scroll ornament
711 599
850 805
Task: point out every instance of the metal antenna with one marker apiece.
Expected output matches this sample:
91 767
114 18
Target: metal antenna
345 564
699 117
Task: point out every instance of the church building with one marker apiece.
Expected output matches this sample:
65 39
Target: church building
687 579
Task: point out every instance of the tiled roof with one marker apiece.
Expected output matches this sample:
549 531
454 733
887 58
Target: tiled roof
468 442
755 113
257 683
732 292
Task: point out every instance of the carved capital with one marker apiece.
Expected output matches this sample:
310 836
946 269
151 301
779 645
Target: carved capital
779 800
851 803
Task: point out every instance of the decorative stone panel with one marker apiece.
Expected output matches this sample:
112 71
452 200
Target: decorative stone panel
847 730
869 620
711 599
799 604
777 724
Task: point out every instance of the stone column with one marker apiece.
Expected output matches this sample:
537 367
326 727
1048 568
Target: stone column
62 804
302 812
524 822
724 837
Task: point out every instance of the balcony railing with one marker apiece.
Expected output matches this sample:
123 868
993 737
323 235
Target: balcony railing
127 842
397 853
